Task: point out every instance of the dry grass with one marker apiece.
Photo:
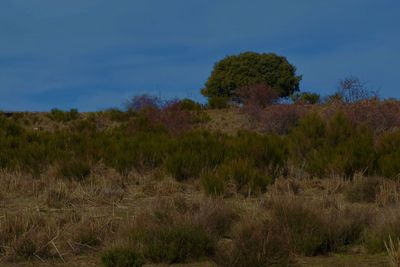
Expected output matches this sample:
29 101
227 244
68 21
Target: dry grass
61 221
393 251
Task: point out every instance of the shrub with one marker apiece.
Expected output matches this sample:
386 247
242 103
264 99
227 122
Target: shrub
352 90
363 189
74 169
160 239
218 102
305 98
378 115
267 152
121 257
255 244
143 102
385 225
117 115
388 150
255 98
244 174
213 184
215 216
25 236
307 232
195 153
280 119
189 105
337 147
63 116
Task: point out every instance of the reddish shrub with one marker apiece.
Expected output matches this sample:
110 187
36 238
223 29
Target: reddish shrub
255 98
379 115
281 118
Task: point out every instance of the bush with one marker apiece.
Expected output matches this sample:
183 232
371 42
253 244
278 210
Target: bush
189 105
363 189
307 232
305 98
213 184
162 238
280 119
143 102
120 257
337 147
195 153
74 169
267 152
386 224
244 174
63 116
388 150
255 244
218 102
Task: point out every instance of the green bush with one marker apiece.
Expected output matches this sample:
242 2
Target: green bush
244 174
218 102
213 184
173 243
63 116
190 105
336 147
305 98
120 257
267 152
195 153
74 169
388 150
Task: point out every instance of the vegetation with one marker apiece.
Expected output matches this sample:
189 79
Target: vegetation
249 68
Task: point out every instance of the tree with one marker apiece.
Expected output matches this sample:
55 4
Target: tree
248 69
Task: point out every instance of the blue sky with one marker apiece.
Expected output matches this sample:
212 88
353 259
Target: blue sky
94 54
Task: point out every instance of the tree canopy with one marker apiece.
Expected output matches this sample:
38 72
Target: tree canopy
250 68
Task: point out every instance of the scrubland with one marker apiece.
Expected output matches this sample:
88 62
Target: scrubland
288 185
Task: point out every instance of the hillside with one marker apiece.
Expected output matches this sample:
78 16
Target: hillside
315 186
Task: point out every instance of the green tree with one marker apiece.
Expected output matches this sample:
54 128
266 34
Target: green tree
250 68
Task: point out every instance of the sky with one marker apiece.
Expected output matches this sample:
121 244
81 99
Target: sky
96 54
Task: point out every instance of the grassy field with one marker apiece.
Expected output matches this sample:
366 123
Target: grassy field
177 216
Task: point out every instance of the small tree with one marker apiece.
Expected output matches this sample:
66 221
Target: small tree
246 69
352 89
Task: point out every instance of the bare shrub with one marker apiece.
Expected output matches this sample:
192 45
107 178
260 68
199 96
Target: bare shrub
89 233
280 119
143 102
379 115
26 236
255 98
352 90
